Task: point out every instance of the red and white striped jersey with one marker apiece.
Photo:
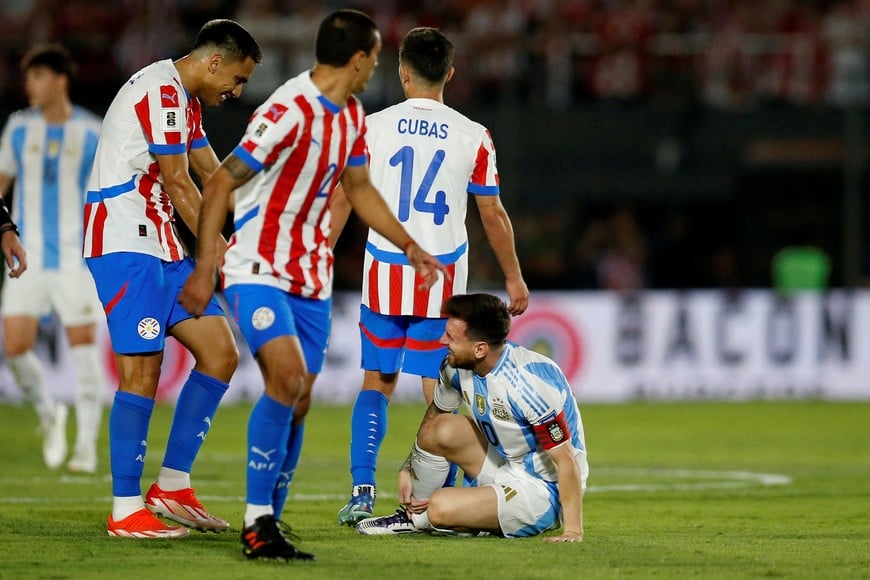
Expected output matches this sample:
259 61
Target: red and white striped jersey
425 159
301 142
126 208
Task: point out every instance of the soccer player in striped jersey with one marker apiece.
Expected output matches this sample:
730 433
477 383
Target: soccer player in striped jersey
47 151
152 136
425 159
277 271
522 440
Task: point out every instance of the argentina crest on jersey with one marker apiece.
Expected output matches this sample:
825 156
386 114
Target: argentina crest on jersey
499 409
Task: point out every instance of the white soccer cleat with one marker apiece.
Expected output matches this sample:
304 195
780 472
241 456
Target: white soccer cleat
398 523
54 446
83 461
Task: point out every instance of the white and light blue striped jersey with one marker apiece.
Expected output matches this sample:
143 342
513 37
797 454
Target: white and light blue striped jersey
50 164
425 158
524 406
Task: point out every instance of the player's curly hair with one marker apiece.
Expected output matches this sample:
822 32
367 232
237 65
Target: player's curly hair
485 315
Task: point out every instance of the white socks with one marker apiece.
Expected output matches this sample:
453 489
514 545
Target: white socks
27 372
429 472
172 479
88 397
253 511
123 507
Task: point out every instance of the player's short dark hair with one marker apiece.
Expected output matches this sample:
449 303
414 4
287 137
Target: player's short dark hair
428 52
230 38
485 315
342 34
53 56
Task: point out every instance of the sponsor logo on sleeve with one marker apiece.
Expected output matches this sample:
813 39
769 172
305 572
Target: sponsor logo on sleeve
275 112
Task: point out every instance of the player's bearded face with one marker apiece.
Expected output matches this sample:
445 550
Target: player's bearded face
460 349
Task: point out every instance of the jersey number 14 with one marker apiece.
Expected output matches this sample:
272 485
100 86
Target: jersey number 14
438 207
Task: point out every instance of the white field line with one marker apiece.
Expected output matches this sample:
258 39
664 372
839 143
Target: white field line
711 480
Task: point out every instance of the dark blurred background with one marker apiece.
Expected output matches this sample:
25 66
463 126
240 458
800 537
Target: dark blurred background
641 143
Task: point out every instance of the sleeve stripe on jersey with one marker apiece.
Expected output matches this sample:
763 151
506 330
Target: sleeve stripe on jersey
110 192
399 258
168 149
199 143
357 160
477 189
249 159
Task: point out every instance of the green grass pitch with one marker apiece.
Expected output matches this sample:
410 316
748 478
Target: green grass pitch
703 490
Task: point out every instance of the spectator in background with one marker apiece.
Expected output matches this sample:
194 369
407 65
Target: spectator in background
47 150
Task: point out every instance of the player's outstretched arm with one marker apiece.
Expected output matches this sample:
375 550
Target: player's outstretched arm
371 208
570 494
500 233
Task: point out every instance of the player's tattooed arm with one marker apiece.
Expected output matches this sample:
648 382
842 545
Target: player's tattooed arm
240 171
406 465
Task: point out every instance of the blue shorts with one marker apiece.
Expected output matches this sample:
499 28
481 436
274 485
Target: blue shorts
139 294
409 343
264 312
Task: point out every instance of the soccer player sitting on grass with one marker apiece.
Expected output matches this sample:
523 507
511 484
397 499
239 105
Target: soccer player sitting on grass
522 442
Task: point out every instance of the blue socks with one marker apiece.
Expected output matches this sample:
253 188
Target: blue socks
194 411
368 426
285 477
268 432
128 431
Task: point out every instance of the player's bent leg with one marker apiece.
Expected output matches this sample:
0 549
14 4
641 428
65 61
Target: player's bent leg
210 341
455 438
464 509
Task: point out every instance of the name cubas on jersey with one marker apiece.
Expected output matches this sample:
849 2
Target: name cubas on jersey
423 128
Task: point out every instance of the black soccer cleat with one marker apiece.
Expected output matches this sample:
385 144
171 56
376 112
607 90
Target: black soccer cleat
265 540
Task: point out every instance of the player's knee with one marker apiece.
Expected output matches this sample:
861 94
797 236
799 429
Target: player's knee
439 511
435 435
221 360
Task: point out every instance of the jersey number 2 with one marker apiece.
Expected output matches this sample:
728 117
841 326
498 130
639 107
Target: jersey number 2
438 208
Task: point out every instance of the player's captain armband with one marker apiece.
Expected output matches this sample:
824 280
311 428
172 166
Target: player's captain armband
552 433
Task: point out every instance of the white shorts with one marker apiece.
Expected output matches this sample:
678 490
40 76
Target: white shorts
527 505
71 294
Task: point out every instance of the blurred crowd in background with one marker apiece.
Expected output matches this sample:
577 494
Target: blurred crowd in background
555 53
516 54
